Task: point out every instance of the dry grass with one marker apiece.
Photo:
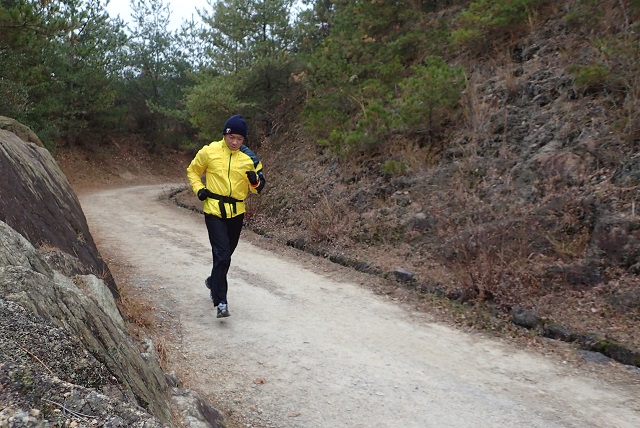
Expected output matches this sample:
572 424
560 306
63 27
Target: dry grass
489 252
162 352
570 247
328 220
138 311
478 110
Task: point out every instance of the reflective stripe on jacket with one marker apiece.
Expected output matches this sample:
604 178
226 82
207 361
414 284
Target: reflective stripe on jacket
226 175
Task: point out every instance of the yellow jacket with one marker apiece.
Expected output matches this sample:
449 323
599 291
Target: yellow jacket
226 176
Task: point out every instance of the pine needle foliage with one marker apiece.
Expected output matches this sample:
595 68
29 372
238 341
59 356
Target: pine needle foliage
379 72
489 21
249 44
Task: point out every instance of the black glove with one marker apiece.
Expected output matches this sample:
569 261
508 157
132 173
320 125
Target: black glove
253 178
203 194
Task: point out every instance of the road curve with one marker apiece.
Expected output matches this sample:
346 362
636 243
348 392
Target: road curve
303 349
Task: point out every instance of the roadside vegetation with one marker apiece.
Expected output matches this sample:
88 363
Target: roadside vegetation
489 147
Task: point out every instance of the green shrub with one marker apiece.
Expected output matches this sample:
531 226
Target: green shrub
498 14
354 76
583 13
466 37
394 168
324 114
590 76
484 19
430 96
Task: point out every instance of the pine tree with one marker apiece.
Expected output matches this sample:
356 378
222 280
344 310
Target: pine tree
57 64
157 74
249 50
87 65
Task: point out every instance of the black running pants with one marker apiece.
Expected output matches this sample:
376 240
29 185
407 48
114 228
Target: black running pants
223 236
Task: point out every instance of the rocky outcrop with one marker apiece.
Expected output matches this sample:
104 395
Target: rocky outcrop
65 354
66 358
47 379
68 338
38 202
23 132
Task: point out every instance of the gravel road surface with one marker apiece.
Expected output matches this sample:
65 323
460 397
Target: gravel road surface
307 348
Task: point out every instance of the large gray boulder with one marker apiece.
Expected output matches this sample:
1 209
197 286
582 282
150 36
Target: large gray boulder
22 131
28 283
64 349
37 201
66 358
48 379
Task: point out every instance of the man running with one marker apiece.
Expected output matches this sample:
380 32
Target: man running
231 170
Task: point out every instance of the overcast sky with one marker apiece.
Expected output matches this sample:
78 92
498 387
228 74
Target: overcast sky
180 10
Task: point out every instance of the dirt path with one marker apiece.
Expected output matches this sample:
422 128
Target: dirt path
303 349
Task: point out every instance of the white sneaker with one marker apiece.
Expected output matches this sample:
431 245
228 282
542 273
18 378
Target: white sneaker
223 311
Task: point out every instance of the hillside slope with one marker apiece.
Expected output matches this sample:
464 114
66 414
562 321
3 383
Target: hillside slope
529 207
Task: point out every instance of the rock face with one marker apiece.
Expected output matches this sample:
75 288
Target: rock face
38 306
65 355
23 132
48 380
38 202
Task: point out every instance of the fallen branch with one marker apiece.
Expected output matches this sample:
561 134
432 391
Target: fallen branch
37 359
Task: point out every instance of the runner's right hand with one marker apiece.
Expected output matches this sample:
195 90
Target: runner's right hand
203 193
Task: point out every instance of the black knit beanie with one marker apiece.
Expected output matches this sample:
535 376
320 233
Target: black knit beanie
235 125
